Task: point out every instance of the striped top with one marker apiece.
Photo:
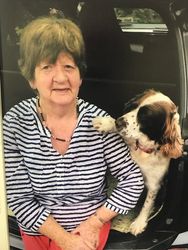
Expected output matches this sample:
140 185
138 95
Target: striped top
70 187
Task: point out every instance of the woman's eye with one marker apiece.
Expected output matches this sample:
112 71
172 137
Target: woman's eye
47 67
69 67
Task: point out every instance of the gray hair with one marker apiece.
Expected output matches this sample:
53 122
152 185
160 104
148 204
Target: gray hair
44 38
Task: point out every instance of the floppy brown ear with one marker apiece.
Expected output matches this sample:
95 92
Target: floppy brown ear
173 148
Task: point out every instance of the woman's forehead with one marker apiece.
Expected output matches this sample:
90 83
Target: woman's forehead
62 56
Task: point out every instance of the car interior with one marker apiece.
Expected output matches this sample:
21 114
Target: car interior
122 61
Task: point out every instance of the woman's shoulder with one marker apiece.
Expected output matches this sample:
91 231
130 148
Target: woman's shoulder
90 108
21 109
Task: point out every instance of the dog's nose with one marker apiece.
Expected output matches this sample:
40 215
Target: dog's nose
120 122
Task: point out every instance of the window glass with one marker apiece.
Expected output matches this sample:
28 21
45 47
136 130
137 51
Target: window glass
139 20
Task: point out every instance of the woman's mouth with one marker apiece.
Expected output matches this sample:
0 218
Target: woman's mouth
59 90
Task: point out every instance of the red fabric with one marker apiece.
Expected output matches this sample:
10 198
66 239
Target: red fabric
104 236
44 243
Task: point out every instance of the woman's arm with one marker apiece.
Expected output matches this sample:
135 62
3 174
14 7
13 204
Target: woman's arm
126 172
20 195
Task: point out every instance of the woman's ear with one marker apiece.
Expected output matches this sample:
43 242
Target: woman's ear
32 84
173 148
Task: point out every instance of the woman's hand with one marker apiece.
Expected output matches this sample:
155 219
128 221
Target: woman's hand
89 231
62 238
75 242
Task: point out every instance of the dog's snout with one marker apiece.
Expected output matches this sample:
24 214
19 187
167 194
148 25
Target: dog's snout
120 122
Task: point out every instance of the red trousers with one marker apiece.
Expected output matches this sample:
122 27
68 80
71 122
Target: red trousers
44 243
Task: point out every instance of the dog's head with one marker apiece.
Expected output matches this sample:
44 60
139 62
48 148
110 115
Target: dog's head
151 120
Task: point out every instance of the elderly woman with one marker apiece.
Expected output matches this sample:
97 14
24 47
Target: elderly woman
56 162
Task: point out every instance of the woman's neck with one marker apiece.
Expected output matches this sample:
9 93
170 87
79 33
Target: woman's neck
58 112
60 121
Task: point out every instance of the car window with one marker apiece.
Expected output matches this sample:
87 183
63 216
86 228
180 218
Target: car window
139 20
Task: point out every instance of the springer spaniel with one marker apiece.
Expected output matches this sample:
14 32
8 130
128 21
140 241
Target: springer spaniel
150 127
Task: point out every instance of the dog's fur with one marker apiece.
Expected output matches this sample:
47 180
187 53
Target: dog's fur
150 127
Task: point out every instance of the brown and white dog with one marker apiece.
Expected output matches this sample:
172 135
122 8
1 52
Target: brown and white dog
150 127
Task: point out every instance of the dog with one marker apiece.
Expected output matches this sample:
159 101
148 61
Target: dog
150 127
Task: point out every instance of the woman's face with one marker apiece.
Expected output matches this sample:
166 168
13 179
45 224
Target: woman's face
57 83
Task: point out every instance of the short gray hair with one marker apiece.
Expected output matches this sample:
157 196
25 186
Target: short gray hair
44 38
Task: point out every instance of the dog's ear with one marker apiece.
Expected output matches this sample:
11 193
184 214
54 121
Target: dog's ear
172 141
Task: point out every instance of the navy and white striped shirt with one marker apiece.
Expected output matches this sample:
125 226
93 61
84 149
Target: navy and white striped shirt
70 187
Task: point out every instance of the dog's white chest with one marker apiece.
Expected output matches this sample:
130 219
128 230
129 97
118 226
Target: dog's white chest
153 166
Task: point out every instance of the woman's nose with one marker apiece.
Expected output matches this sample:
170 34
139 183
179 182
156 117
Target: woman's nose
60 74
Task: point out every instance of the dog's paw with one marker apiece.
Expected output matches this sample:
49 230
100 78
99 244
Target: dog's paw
138 226
104 124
